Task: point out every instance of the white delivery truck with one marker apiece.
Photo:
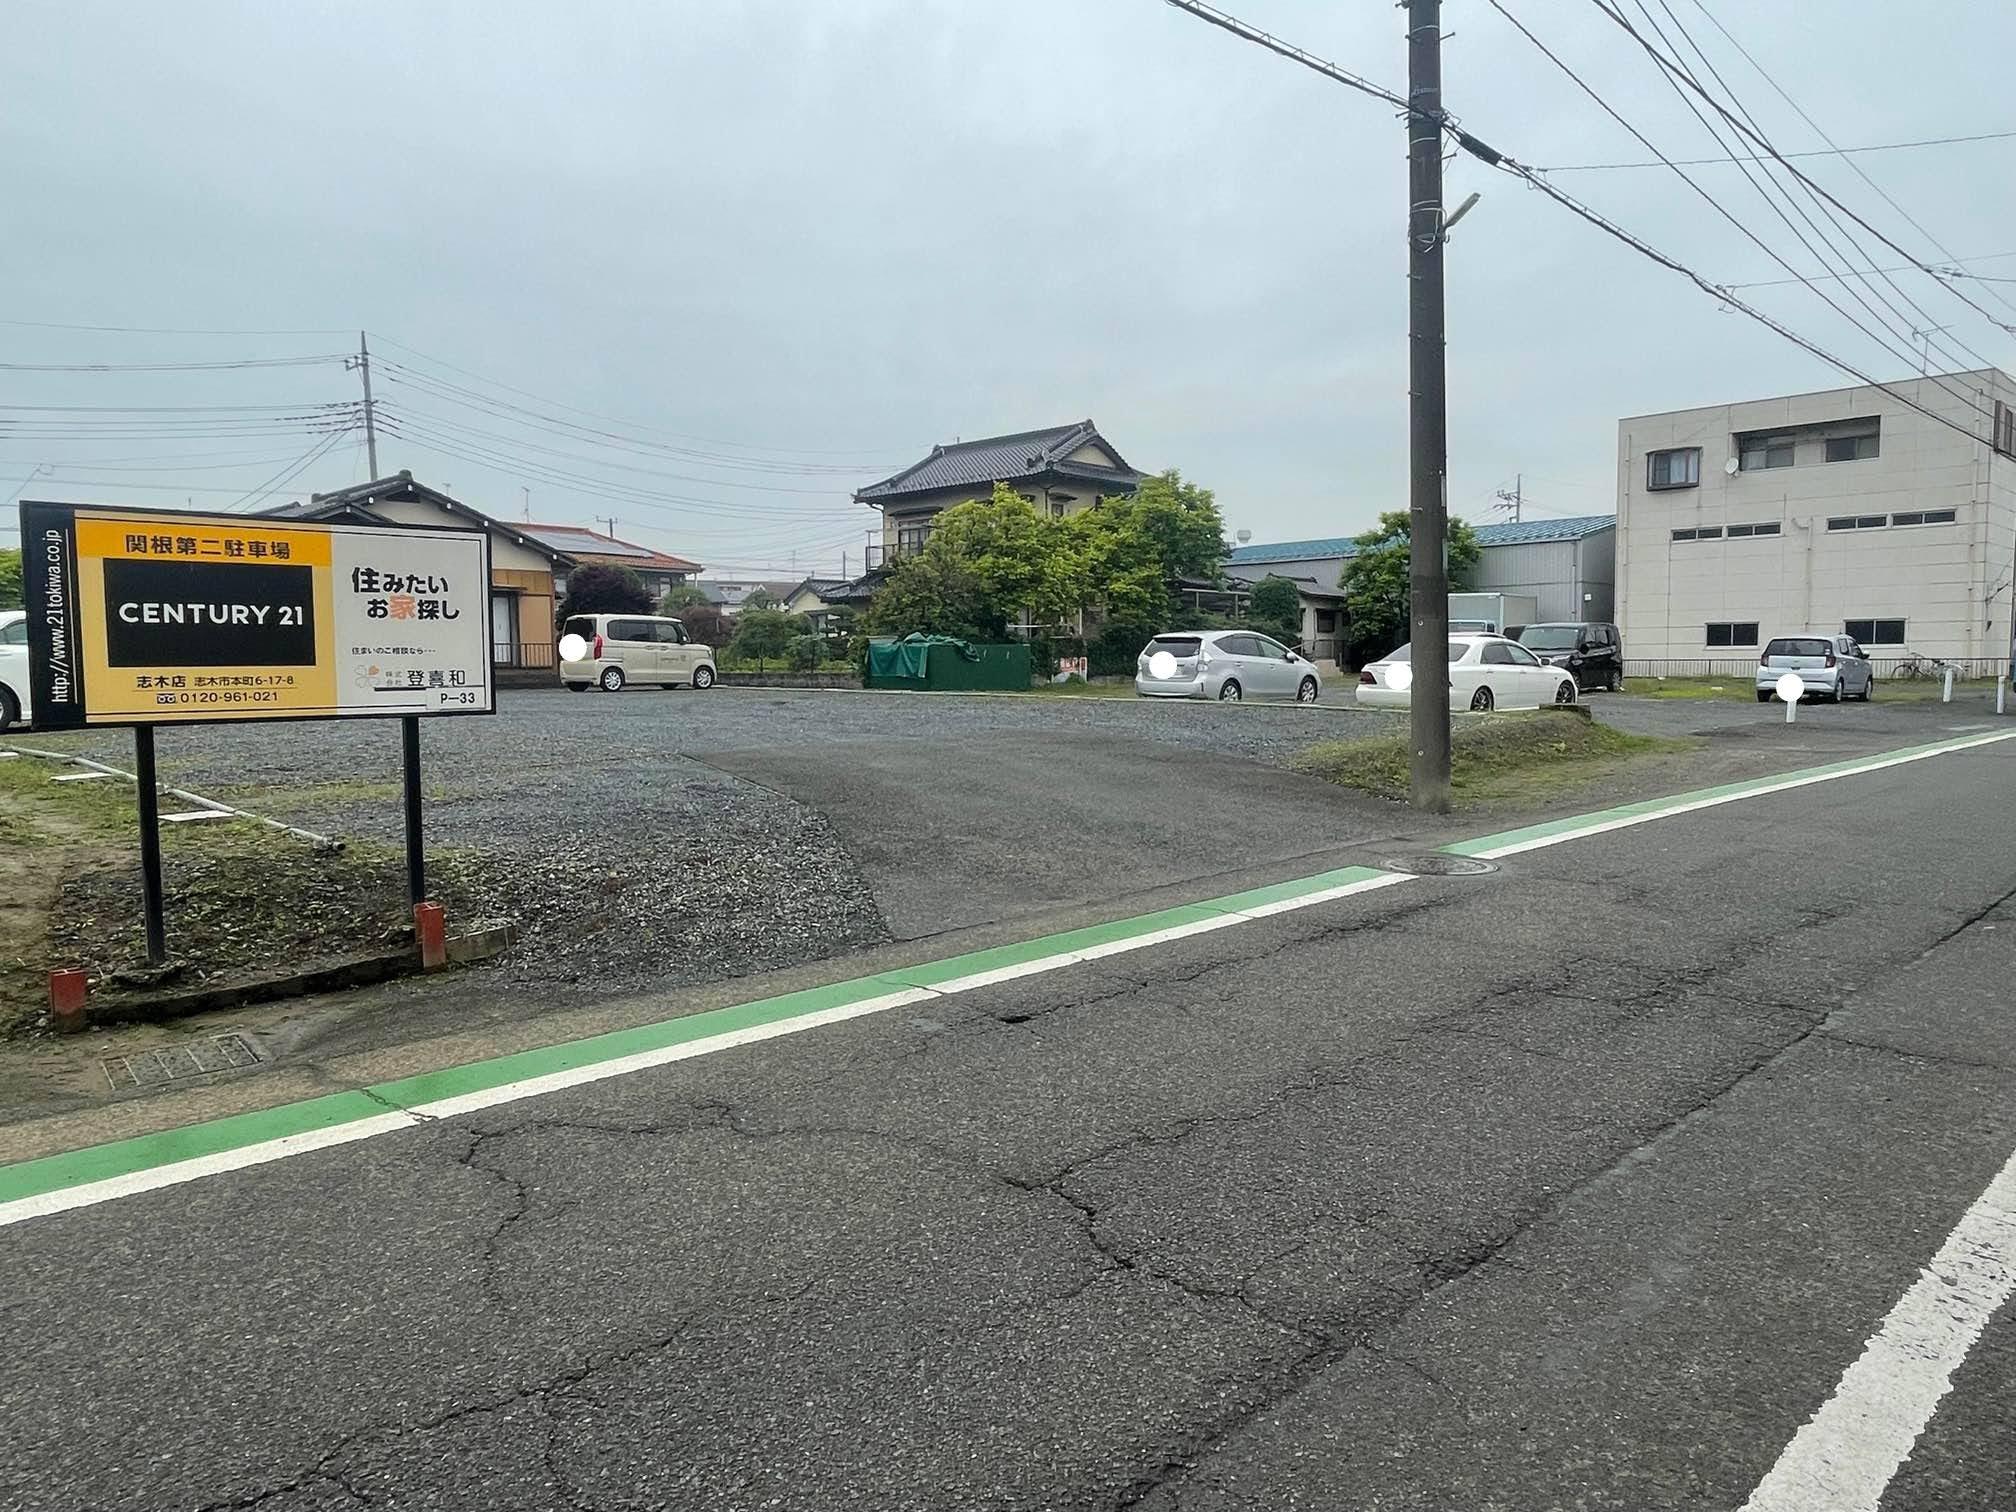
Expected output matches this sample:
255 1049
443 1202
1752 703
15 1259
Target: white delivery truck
1501 613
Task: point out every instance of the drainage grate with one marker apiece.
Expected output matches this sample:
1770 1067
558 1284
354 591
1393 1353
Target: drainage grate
1438 864
220 1052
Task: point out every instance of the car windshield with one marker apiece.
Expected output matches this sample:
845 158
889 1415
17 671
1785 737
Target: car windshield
1550 637
1801 645
581 625
1457 651
1175 645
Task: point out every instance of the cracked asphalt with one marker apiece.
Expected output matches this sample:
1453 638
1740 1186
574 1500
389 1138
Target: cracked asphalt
1573 1186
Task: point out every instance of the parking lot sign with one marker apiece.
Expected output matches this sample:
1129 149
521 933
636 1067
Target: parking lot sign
143 617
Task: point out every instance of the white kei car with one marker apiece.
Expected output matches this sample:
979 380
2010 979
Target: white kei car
13 667
1485 672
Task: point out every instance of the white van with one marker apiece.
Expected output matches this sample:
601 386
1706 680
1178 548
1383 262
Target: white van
13 667
640 648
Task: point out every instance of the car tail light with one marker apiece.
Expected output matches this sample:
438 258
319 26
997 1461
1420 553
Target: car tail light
595 651
1367 679
1764 661
1830 660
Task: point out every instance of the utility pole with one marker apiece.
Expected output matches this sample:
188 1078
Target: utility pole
1517 497
528 502
362 362
1428 501
610 521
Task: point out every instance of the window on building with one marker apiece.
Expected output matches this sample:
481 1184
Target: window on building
1760 452
1852 448
1732 633
1700 533
1678 468
1858 522
1764 528
1925 517
2005 429
1875 632
911 536
1687 534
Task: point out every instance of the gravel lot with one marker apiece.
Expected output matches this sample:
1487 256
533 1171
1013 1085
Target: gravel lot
598 823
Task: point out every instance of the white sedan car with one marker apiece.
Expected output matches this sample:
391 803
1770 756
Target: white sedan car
13 667
1485 672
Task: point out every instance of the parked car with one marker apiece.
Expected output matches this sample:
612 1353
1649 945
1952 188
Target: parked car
640 648
1831 666
1224 664
1485 672
1593 652
13 667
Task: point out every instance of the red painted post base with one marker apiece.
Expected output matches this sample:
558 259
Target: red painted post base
430 928
66 1000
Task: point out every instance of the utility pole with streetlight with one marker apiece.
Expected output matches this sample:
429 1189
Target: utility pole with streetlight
1427 419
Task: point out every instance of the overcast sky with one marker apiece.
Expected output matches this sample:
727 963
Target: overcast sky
830 233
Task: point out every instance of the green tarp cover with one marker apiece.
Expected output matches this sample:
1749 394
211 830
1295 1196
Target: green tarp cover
910 657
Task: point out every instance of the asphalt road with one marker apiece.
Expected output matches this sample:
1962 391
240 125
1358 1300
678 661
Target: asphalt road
1578 1185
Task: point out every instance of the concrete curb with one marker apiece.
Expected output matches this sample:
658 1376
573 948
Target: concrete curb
481 944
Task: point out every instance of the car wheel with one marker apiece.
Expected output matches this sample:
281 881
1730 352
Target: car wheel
1480 701
1616 683
1228 691
1762 696
10 711
1869 688
577 687
1564 693
1307 692
612 679
703 677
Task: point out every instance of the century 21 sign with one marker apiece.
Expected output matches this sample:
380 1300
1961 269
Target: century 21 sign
145 617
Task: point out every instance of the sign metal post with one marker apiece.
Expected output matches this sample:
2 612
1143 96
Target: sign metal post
150 845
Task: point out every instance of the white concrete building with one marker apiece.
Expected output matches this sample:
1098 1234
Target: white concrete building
1848 510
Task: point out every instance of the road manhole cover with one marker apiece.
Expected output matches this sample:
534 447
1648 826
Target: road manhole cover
1438 864
220 1052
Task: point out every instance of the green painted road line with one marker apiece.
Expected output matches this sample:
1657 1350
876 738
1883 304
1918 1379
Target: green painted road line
244 1138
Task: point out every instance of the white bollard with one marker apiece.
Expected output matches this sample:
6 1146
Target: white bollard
2001 690
1947 696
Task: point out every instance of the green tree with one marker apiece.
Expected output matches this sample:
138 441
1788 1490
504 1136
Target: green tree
1375 582
597 589
935 593
10 577
764 634
1022 559
684 596
760 598
1276 607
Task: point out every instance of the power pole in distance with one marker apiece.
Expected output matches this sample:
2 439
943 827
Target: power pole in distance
1517 497
362 362
610 521
1428 436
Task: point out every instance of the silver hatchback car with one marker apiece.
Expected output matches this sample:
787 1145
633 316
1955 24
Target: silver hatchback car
1224 664
1831 666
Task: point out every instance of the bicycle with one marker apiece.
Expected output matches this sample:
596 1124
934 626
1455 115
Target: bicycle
1914 666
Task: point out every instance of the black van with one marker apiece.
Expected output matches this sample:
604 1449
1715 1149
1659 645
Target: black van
1593 652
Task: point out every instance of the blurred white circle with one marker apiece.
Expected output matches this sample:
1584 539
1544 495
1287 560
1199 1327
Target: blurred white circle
1161 664
1790 686
572 648
1400 677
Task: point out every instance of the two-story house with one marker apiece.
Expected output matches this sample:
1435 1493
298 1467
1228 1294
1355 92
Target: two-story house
1061 471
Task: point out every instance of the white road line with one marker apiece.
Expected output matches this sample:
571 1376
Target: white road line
1541 842
1844 1458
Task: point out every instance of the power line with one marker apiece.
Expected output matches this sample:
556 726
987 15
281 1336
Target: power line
293 470
53 325
1911 328
1492 157
611 420
167 367
1953 272
1986 136
1888 199
1764 145
1902 354
1259 38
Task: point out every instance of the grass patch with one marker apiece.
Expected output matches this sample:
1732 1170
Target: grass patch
1691 687
1084 689
1496 756
239 897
